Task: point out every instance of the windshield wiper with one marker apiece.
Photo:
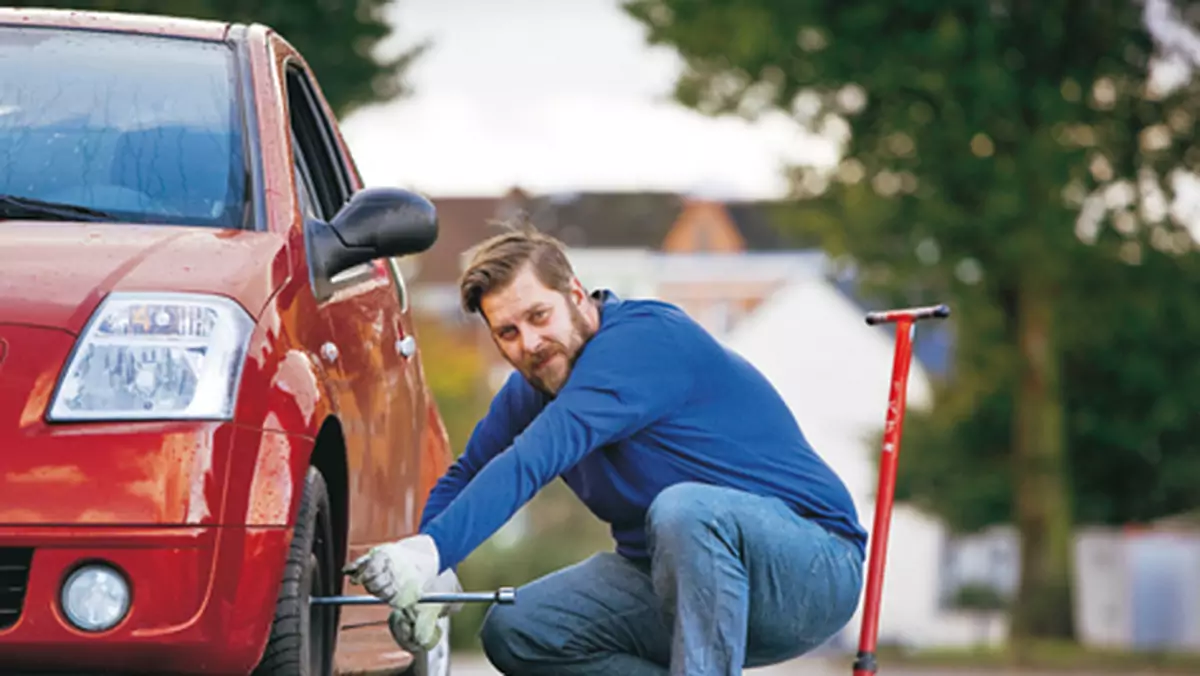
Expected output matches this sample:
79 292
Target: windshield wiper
15 206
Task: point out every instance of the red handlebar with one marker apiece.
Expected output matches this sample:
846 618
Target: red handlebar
910 314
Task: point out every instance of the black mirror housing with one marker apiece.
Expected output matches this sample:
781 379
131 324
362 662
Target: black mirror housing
392 221
376 223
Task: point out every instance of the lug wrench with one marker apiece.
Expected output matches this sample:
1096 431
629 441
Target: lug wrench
505 595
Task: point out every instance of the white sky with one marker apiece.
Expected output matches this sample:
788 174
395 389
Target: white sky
564 95
556 95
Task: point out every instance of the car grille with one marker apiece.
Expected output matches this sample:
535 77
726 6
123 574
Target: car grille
14 575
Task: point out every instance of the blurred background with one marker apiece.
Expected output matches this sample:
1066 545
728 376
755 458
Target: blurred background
780 168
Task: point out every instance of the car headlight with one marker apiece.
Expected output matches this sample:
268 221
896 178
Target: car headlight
156 356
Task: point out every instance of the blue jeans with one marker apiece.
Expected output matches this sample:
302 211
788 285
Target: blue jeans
734 580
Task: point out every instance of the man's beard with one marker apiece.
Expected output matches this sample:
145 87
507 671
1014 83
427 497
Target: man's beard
551 382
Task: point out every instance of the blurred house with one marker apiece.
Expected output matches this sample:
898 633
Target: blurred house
720 238
653 221
1139 587
1136 587
735 254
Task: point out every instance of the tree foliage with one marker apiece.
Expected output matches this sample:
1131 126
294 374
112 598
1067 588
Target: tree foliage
1131 388
340 40
456 373
1012 158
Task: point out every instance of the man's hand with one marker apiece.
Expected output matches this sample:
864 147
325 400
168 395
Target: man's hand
416 628
397 572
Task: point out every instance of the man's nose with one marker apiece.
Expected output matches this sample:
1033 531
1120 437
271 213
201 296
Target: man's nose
531 341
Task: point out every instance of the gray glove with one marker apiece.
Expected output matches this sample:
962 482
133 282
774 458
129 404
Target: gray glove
415 627
397 572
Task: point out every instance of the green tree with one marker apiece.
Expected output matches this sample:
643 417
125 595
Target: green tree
340 40
1130 390
973 132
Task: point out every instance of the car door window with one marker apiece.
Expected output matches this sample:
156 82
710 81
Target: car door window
313 137
328 185
304 186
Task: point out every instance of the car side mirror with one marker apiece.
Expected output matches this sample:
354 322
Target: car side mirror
375 223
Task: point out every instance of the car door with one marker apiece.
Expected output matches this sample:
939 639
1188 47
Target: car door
406 420
370 374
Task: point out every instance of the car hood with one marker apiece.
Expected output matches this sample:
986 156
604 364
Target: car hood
54 274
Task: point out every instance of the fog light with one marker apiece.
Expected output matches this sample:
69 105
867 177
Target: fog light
95 598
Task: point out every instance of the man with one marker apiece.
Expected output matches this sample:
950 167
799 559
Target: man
736 545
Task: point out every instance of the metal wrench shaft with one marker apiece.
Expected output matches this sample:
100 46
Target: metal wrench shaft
504 595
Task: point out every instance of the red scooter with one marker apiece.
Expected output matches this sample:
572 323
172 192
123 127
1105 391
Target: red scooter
906 328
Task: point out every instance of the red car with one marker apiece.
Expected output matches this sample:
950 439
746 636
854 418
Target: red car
211 395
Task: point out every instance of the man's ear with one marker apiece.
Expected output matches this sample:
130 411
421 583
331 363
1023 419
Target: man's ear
579 295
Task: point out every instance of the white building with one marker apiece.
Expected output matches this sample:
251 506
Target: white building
1139 588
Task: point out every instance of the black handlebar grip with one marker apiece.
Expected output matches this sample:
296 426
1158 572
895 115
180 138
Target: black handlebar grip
912 314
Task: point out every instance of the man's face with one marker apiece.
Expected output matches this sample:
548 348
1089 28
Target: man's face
539 330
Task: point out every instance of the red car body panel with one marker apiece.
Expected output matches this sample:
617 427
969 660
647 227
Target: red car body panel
55 274
199 515
200 599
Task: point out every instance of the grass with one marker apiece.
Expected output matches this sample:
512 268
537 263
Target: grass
1049 656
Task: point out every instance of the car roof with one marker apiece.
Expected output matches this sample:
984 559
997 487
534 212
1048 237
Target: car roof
148 24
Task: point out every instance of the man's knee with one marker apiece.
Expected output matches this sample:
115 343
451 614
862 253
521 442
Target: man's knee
502 636
683 508
518 639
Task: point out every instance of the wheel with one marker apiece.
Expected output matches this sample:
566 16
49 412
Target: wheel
303 638
436 662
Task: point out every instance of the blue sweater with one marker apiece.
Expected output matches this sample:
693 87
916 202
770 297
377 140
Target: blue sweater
653 400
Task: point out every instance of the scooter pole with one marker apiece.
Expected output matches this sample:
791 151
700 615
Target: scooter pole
905 320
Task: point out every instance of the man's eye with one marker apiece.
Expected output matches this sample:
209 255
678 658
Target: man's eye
540 315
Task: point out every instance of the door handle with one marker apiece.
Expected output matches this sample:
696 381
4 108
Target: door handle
330 352
406 346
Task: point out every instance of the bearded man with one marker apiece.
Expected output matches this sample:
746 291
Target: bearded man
736 545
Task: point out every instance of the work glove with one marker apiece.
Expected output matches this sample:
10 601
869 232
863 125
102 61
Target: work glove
415 628
397 572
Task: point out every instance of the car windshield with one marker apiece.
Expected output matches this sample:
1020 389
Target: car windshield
142 128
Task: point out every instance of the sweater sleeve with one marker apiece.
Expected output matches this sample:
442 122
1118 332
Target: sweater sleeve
629 375
511 410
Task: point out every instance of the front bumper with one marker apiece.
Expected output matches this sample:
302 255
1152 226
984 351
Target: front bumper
203 598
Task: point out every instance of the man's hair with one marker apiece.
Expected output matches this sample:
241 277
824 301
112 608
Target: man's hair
498 259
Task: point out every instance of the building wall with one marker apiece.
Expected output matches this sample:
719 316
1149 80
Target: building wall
719 306
1138 589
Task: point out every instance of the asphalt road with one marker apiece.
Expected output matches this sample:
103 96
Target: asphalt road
477 666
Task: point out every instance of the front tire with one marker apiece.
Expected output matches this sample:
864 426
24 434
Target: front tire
303 637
